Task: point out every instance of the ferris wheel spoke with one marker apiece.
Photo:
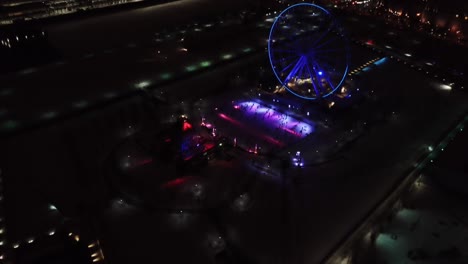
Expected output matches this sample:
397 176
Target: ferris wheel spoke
319 71
325 55
321 51
309 36
325 60
302 71
292 37
319 76
326 77
327 42
322 21
316 35
320 57
285 51
326 69
328 29
330 44
286 60
287 57
329 83
292 44
287 67
332 87
317 93
294 70
319 38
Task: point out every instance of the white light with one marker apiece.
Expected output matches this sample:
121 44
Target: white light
445 87
408 55
52 232
430 148
142 85
16 245
31 240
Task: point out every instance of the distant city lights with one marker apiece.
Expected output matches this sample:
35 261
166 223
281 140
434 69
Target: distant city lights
142 84
445 87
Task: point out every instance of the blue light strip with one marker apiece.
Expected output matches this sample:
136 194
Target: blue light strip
381 61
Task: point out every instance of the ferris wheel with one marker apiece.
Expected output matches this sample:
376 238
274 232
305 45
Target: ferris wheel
308 51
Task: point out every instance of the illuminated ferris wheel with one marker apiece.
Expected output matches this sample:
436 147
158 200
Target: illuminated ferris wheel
308 51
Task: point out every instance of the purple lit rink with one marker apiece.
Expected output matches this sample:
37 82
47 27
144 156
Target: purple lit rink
275 119
254 124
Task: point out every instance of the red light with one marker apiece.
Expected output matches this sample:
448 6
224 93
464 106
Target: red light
144 162
291 131
208 146
187 126
174 183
